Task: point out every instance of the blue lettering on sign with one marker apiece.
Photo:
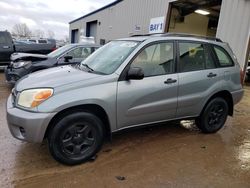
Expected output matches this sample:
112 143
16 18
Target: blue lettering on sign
156 27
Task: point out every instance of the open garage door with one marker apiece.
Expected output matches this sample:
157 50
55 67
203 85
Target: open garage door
194 16
91 29
74 35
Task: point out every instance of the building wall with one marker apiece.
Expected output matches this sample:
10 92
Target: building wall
122 19
234 26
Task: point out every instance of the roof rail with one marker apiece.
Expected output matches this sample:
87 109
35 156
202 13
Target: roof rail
180 35
141 35
190 35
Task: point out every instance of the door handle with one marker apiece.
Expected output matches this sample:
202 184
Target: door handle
170 81
211 75
6 47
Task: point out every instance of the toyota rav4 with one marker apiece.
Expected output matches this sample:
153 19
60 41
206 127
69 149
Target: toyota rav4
126 83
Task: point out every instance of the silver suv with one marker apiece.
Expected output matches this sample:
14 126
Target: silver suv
126 83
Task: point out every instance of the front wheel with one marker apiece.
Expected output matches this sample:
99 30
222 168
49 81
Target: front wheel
76 138
213 116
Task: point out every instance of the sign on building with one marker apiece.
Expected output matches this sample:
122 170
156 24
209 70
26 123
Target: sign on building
156 25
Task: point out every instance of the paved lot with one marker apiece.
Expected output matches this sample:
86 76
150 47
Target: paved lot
163 156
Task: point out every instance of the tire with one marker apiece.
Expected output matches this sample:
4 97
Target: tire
76 138
213 116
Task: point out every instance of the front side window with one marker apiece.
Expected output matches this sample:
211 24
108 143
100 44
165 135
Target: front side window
80 52
223 57
108 58
60 51
32 41
157 59
192 56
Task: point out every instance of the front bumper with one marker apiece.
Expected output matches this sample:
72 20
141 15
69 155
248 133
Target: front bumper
27 126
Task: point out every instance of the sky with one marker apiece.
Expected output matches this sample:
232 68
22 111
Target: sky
45 15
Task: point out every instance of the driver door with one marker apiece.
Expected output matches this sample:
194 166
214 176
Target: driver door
154 98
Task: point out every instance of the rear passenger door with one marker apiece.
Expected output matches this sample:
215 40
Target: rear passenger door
198 77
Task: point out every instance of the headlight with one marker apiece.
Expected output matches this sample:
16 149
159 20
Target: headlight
20 64
33 97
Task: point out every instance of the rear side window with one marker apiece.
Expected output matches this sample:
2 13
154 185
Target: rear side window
223 57
192 56
42 41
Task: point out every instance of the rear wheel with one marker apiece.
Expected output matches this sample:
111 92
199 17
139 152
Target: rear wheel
213 116
76 138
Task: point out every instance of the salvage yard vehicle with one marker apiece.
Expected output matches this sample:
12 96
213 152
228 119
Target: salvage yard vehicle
126 83
39 41
23 63
8 46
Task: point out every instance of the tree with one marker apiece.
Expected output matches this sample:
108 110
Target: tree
50 34
21 30
38 33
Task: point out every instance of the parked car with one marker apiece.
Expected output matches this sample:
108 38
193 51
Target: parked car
7 47
23 63
126 83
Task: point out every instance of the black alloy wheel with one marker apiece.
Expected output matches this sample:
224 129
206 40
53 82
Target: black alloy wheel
213 116
76 138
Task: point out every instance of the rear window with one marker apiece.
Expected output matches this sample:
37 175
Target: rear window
223 57
3 39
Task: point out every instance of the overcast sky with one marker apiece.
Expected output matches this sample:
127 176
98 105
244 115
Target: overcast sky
46 14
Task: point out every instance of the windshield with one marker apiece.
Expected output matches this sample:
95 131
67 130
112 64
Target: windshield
59 51
109 57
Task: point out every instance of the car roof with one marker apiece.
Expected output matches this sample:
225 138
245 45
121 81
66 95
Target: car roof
173 36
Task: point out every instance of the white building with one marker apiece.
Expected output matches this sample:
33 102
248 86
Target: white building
228 20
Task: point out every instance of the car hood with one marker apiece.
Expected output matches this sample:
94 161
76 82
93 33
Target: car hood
54 77
27 56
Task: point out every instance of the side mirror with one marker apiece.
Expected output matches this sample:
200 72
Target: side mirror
135 73
67 58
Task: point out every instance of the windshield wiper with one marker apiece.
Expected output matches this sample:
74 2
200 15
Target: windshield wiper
85 65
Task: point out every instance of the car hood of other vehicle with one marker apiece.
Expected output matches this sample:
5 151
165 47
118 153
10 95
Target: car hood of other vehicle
27 56
54 77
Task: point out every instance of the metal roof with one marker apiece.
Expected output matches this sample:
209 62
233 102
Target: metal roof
98 10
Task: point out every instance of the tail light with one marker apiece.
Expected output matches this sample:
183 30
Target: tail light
241 77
